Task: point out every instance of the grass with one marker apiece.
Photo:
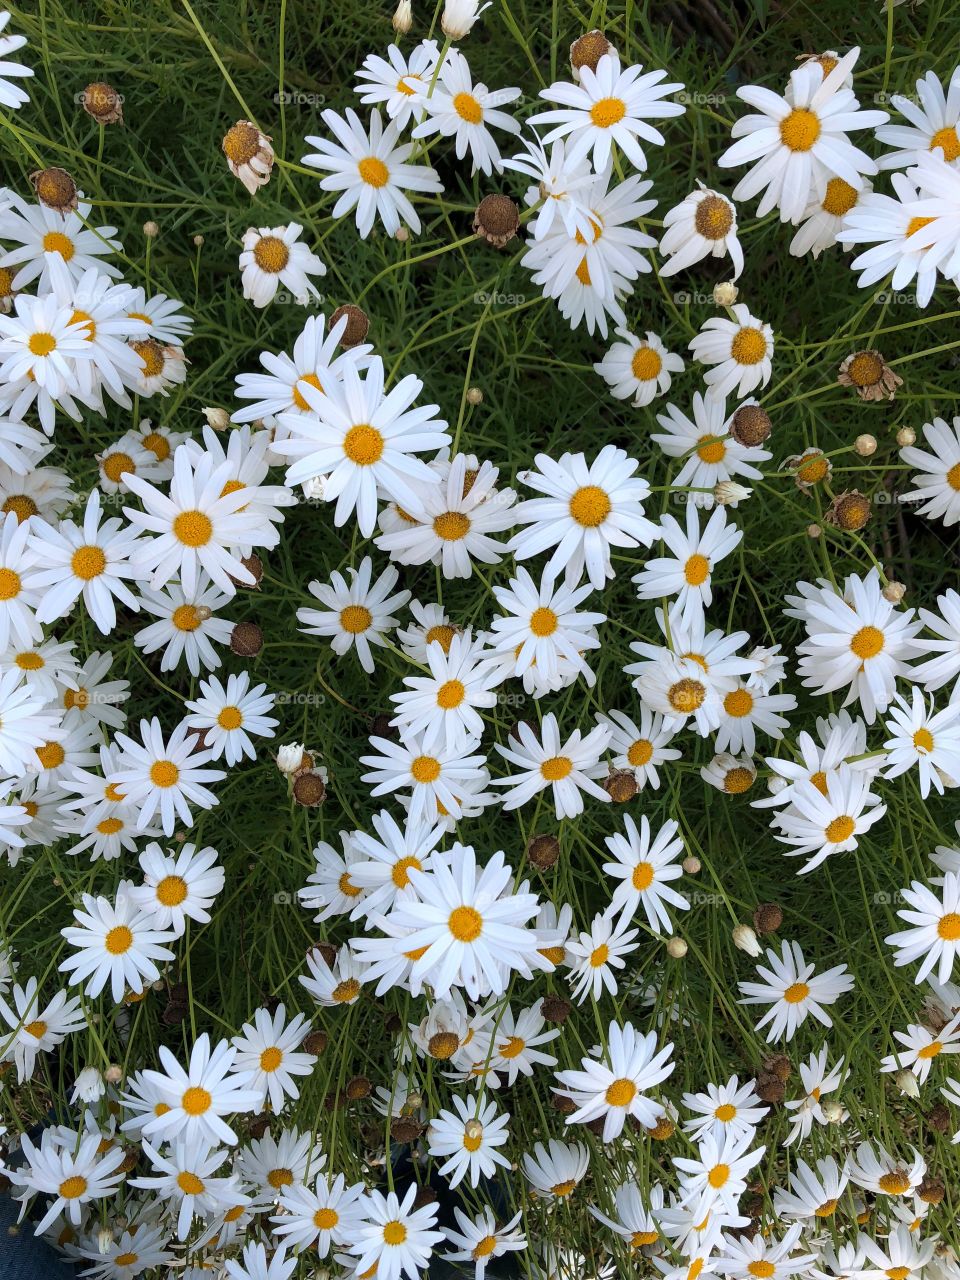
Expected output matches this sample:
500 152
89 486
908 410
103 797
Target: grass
461 315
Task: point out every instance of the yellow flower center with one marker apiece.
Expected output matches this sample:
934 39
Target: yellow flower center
156 444
642 877
512 1048
483 1248
347 887
400 874
949 927
82 317
189 1183
441 635
271 1058
953 477
607 112
762 1269
466 924
193 528
345 991
355 618
363 445
196 1100
271 254
639 753
57 242
620 1093
796 993
840 829
171 891
867 643
230 718
718 1175
641 1238
696 570
118 940
88 562
590 506
117 465
556 767
21 505
110 826
425 769
896 1182
185 618
947 140
599 956
738 703
646 364
29 661
151 353
41 344
51 755
164 773
737 781
79 698
374 172
326 1219
9 584
125 1259
825 1210
451 526
686 695
394 1232
839 198
73 1188
562 1189
930 1050
800 129
725 1112
450 695
749 346
36 1029
468 108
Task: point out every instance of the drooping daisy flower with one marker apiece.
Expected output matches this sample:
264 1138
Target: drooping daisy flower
799 140
616 1086
229 714
333 986
566 767
168 776
923 739
739 351
937 484
610 106
555 1170
638 367
644 867
398 82
371 171
459 109
812 1193
586 510
679 689
818 1081
361 439
793 990
249 155
875 1169
935 931
116 941
275 256
702 225
254 1264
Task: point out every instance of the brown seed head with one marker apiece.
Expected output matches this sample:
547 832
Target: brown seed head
55 189
102 101
751 425
357 327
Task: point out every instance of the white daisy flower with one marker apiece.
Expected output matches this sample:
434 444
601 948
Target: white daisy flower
84 689
40 345
436 781
702 225
644 867
479 1240
188 626
679 689
128 456
555 1170
745 710
358 613
178 885
793 990
558 187
876 1170
610 106
117 942
69 1175
443 709
638 367
933 119
743 1257
818 1082
34 1028
935 931
724 1108
826 822
46 236
687 573
459 109
826 216
937 483
710 454
640 748
384 862
923 739
921 1046
371 171
168 776
184 1178
596 954
718 1176
18 600
163 316
330 888
394 1238
334 985
199 1096
267 1050
566 767
274 256
739 351
398 83
812 1192
616 1086
466 1140
320 1217
255 1265
733 775
229 714
11 95
903 241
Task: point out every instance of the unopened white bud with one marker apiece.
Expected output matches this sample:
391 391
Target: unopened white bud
691 864
728 493
906 436
894 592
833 1111
907 1083
290 757
459 17
88 1086
403 18
104 1239
725 293
113 1073
219 419
745 939
865 445
676 948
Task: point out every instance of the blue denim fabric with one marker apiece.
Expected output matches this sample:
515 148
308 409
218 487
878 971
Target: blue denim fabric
23 1256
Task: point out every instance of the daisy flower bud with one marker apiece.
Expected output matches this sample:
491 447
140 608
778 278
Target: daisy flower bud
219 419
744 939
113 1073
459 17
290 758
725 293
403 18
676 948
727 493
894 592
691 865
907 1083
151 229
88 1086
906 436
865 445
475 397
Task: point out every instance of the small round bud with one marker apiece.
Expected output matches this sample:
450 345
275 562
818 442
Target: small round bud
113 1073
554 1009
290 758
813 531
725 294
473 1129
401 235
198 241
403 18
691 864
906 436
357 326
315 1043
151 230
219 419
907 1083
894 592
833 1111
676 948
474 396
727 493
620 786
865 445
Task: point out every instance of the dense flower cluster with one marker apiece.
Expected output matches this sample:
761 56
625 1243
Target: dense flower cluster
166 1164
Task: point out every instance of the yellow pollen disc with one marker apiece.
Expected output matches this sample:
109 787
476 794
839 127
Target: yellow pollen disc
725 1112
160 1109
948 141
930 1050
29 661
737 781
185 618
373 172
346 886
233 1214
156 444
22 506
800 129
450 695
897 1273
466 924
923 740
73 1187
867 643
840 829
117 465
949 927
151 353
563 1188
641 1238
711 450
796 993
543 622
232 486
193 528
57 242
953 477
590 506
417 954
171 891
31 807
88 562
241 142
738 703
196 1101
718 1175
345 991
761 1269
326 1219
110 826
311 380
865 369
355 618
896 1182
76 698
441 635
825 1210
280 1178
126 1259
483 1248
400 874
9 584
813 469
394 1232
620 1093
819 780
599 956
451 526
686 696
556 768
36 1029
749 346
512 1048
52 755
639 753
713 218
642 877
41 344
6 282
583 273
164 773
839 198
607 112
81 317
230 718
554 954
646 364
696 570
119 940
271 254
425 769
468 108
473 1141
189 1183
363 445
112 792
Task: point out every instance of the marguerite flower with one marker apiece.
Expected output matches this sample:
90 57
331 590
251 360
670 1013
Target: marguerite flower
937 482
566 767
267 1050
229 714
275 256
638 367
616 1085
925 739
116 941
702 225
739 351
644 868
459 109
793 990
935 931
168 776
